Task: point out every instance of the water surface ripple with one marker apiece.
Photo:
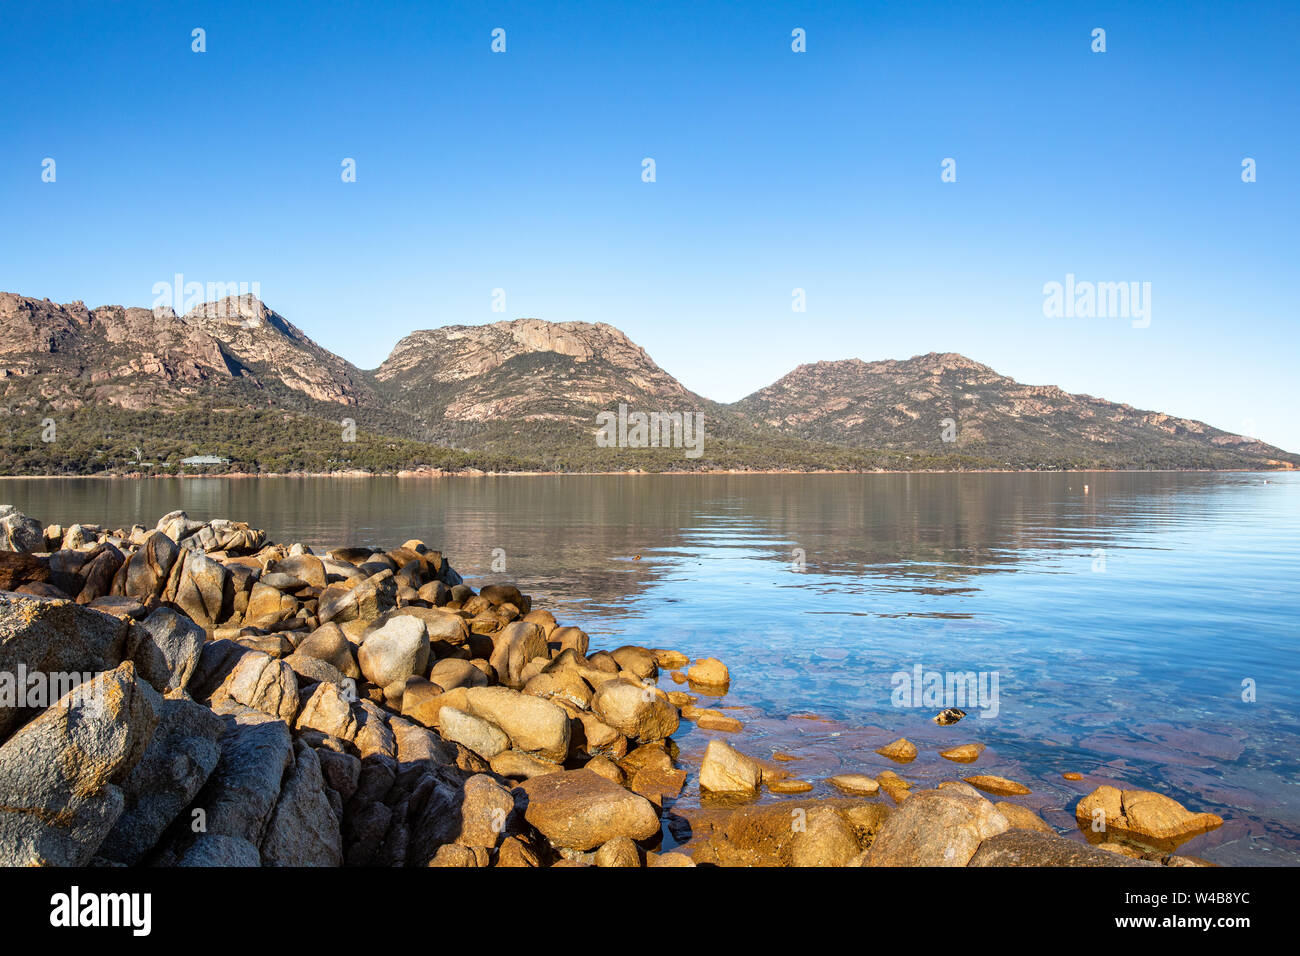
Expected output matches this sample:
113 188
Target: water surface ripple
1122 620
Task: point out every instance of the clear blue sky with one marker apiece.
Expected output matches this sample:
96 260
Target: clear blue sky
775 170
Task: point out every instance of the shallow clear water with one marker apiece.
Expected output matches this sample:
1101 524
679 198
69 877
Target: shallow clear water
1121 620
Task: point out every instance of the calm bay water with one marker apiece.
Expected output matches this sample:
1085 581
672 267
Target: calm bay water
1121 621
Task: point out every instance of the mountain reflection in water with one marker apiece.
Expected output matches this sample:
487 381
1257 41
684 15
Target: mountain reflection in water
1122 622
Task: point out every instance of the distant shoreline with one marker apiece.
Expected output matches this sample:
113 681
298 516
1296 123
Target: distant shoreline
474 473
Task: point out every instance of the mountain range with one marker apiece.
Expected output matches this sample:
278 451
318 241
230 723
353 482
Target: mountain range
130 389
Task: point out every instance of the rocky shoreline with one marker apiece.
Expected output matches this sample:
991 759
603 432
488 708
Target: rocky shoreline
480 473
192 694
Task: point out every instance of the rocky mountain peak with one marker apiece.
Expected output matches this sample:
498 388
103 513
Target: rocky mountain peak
137 357
229 317
946 361
39 325
459 351
524 369
536 385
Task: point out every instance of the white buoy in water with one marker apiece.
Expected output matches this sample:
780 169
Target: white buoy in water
1085 489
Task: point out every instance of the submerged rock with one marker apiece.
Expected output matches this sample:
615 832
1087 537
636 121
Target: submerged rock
712 720
962 753
1022 818
998 786
1141 816
901 750
856 783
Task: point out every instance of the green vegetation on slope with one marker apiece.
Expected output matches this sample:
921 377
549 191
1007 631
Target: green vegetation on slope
110 440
